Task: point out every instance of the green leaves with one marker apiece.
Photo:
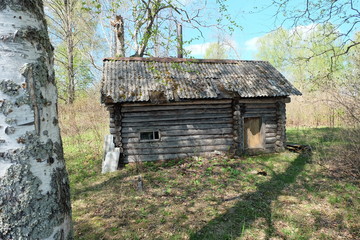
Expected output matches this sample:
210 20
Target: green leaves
216 50
308 55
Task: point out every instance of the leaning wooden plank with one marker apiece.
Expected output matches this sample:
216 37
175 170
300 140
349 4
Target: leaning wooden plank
175 150
184 122
180 107
182 143
176 118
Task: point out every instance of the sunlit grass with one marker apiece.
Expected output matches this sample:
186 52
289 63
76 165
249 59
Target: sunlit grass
222 197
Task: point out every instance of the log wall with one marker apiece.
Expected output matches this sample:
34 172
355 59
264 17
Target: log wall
273 116
186 129
194 128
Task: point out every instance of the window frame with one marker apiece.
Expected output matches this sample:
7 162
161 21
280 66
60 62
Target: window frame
153 135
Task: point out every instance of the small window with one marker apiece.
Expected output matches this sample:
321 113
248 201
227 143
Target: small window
150 135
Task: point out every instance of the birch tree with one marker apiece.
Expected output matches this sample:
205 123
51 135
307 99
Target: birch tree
72 31
34 187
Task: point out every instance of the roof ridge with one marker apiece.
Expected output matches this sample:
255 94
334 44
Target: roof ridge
171 59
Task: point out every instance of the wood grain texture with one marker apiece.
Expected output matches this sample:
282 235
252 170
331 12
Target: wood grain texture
184 129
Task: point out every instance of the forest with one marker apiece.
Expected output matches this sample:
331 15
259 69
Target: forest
307 193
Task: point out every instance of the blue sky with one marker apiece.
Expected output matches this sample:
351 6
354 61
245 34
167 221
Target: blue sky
255 18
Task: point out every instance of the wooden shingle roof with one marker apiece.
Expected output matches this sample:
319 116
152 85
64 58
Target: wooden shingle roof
177 79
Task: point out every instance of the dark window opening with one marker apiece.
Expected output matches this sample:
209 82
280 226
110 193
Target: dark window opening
150 135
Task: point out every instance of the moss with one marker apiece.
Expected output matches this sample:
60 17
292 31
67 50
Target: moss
20 205
9 87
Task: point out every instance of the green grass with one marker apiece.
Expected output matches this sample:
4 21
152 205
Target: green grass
214 198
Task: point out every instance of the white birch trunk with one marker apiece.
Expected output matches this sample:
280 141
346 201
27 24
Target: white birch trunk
34 187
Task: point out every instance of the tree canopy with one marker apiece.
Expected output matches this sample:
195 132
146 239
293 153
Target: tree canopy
343 15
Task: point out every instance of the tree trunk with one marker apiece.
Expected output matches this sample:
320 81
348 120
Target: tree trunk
34 186
70 53
118 24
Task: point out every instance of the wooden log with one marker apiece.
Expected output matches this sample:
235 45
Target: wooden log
160 157
187 133
151 108
179 127
271 125
172 112
260 105
260 111
190 102
267 122
270 134
271 130
157 157
179 144
183 122
179 138
270 140
263 100
270 146
113 131
175 118
248 115
195 149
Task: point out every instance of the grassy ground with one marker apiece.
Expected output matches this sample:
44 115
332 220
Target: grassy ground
214 198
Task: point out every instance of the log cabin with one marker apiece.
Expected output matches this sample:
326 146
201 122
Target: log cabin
168 108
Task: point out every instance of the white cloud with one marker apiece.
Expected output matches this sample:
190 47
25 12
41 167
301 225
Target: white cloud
302 30
251 44
198 49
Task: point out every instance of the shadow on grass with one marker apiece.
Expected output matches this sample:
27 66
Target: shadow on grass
253 206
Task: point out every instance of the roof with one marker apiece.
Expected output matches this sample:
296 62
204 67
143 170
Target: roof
176 79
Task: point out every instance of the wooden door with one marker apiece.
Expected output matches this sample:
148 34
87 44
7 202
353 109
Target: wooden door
253 136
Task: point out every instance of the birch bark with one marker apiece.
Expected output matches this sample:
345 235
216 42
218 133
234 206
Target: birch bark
34 187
